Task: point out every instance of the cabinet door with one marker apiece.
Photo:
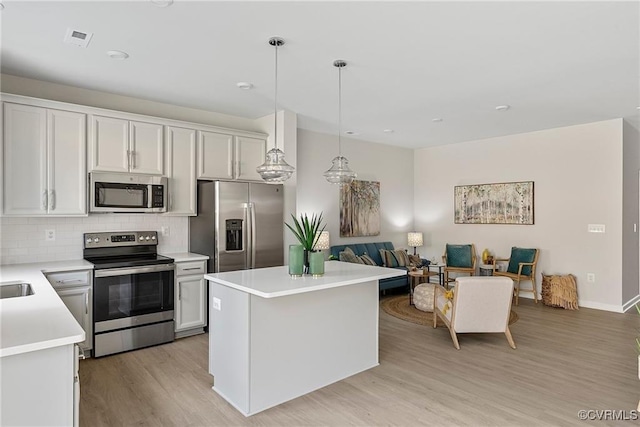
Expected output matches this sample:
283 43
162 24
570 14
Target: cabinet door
67 173
25 160
190 302
250 153
181 170
147 148
215 155
109 144
78 301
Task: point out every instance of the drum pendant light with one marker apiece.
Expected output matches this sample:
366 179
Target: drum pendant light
339 173
275 169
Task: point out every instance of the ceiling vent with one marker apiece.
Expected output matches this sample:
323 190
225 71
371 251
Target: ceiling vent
77 38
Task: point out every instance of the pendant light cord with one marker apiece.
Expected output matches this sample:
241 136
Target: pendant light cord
275 104
339 111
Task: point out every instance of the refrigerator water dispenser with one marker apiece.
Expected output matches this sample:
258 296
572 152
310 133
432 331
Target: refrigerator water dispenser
234 235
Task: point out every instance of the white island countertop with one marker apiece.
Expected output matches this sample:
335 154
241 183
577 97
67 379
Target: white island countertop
275 281
41 320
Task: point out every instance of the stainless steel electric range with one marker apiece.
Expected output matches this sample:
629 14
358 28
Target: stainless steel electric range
132 291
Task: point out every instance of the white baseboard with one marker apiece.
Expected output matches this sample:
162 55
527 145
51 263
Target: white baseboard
629 304
597 305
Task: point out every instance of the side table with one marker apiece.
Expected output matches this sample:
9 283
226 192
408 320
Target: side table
415 278
486 269
440 272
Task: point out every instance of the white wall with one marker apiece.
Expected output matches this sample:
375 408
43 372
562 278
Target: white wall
391 166
577 174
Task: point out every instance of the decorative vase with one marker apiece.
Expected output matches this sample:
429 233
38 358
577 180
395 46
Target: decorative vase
316 263
296 260
485 256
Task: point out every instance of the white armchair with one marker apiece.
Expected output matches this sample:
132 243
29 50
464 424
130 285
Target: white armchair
478 304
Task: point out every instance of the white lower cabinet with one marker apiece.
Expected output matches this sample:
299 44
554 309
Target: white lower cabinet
190 298
76 291
39 388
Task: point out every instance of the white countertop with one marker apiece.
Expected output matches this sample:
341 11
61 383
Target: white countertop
186 256
275 281
41 320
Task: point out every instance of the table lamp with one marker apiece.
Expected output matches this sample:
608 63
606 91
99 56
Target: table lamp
414 238
323 241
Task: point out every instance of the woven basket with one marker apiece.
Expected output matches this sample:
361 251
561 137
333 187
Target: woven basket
560 291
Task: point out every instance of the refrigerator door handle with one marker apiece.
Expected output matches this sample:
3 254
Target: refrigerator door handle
252 210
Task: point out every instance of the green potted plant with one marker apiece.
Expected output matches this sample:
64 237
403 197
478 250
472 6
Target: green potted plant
307 231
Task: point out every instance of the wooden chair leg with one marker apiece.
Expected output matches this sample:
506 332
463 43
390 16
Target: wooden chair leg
535 292
435 318
446 279
454 337
512 343
517 290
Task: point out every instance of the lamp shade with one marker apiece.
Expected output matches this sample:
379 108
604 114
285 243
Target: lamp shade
323 241
414 238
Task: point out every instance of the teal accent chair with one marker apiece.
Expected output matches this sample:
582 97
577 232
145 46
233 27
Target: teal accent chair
458 259
521 267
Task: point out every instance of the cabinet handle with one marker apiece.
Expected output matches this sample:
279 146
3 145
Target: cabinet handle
179 291
191 268
52 200
86 303
170 202
129 159
133 160
45 201
63 281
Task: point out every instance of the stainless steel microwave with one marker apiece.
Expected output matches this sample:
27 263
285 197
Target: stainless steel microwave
121 192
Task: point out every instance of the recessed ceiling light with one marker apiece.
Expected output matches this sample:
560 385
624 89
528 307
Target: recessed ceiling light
637 108
117 54
244 85
162 3
437 119
503 107
388 131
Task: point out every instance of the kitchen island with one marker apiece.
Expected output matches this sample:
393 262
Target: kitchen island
273 338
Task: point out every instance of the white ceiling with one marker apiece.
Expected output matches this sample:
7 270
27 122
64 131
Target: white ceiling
554 63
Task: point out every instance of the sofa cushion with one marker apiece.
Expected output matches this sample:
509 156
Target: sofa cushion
371 249
388 258
349 256
367 260
402 257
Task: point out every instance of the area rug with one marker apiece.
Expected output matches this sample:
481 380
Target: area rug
398 306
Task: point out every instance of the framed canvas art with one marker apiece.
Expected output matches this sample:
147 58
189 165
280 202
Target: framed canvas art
360 209
501 203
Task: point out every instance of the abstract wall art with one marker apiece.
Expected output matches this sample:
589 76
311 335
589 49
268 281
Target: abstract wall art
501 203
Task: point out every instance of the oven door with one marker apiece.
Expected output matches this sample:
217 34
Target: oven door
126 297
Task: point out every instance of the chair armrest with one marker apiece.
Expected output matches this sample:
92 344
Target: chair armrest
522 264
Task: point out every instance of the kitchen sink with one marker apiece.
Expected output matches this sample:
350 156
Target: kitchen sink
15 289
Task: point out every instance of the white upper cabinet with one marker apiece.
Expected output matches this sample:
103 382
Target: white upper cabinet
120 145
44 166
181 170
224 156
215 155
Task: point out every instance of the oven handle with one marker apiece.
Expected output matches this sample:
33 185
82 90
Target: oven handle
110 272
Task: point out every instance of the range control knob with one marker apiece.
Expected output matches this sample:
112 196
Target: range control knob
147 238
153 237
96 240
89 240
141 238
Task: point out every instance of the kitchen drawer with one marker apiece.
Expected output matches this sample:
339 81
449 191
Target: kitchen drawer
189 268
70 279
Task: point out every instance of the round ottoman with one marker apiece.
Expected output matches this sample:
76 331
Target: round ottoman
423 296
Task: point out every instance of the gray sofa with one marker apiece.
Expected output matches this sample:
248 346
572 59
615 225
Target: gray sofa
372 249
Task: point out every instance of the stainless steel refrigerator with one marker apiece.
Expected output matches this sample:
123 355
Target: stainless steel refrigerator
239 225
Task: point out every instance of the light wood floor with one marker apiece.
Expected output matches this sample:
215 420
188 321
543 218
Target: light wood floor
565 361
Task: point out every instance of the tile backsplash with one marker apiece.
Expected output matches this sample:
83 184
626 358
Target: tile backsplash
23 239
